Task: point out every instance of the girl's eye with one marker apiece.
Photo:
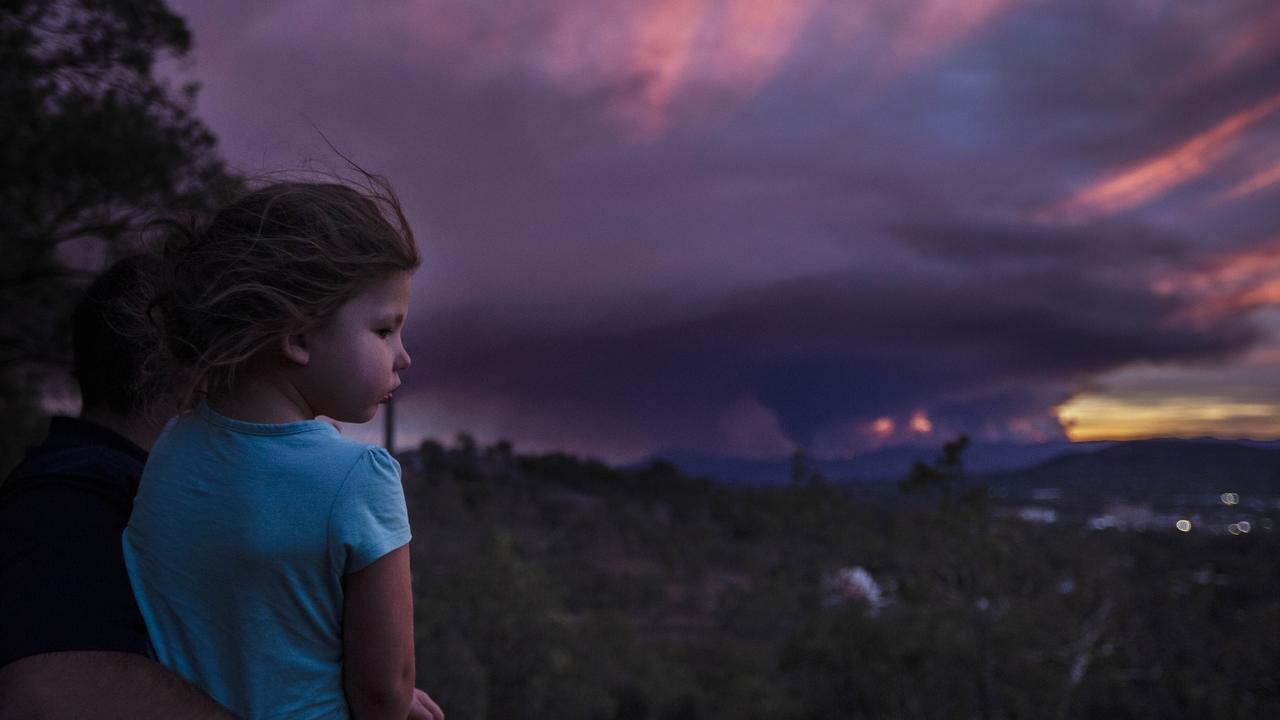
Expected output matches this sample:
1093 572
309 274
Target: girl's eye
384 333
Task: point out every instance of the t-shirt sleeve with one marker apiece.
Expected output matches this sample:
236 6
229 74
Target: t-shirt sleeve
369 518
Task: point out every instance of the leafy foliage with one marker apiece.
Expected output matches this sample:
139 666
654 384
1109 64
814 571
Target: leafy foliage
570 589
94 143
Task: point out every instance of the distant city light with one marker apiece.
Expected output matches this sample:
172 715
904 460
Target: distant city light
1244 526
1184 525
1230 498
1234 528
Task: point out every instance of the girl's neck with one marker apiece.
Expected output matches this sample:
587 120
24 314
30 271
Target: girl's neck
261 398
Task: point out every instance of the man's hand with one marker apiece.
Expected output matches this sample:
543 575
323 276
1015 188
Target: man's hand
424 708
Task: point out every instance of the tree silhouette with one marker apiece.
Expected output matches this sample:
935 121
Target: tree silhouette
943 474
94 143
804 471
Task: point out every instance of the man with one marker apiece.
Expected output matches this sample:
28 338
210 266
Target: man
72 642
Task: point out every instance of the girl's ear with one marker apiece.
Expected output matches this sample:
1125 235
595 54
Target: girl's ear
294 348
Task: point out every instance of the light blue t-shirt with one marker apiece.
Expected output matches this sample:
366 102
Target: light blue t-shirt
239 538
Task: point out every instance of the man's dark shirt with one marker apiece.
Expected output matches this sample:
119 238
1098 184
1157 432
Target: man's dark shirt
63 584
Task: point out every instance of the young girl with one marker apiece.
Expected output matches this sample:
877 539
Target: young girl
269 556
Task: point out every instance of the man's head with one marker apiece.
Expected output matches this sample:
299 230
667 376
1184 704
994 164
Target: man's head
113 342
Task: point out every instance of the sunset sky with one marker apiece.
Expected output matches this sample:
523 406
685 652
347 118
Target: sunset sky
743 226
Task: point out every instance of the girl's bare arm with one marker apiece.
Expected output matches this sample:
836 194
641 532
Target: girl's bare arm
377 638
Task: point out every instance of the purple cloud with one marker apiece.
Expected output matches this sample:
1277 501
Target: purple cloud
736 227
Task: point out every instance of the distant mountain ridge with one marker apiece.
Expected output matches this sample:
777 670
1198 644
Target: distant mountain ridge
1122 468
881 465
1149 469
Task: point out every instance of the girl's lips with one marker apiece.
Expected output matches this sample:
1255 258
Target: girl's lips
387 398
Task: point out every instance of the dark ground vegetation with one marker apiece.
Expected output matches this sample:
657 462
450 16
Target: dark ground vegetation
553 586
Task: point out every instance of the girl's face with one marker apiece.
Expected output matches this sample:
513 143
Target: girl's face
355 358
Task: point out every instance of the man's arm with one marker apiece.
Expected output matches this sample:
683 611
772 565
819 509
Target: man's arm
100 684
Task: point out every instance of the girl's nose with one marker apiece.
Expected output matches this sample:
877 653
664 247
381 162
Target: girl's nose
402 359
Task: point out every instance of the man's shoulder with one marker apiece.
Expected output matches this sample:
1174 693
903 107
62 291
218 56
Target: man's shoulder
77 463
61 514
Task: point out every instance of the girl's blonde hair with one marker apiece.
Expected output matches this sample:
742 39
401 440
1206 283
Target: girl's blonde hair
276 261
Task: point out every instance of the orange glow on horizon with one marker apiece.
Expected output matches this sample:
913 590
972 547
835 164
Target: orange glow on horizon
920 423
883 427
1094 416
1154 177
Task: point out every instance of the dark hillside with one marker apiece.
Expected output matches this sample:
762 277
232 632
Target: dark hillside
553 586
1143 470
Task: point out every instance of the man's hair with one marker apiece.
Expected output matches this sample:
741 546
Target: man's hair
275 261
112 342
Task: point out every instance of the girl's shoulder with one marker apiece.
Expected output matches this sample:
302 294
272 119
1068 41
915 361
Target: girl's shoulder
204 418
371 462
333 454
313 447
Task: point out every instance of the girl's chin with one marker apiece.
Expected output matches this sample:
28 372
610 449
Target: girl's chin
359 418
